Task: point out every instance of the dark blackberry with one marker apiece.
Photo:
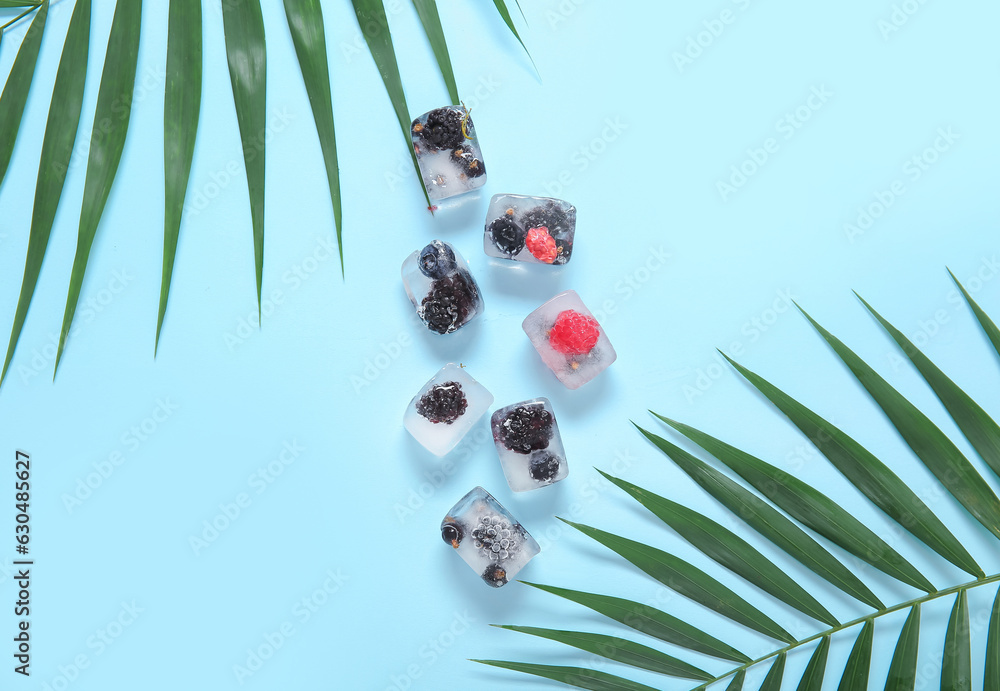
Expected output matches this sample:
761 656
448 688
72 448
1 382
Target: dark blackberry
557 222
495 575
526 429
452 534
543 467
436 260
442 129
451 303
443 403
466 159
507 235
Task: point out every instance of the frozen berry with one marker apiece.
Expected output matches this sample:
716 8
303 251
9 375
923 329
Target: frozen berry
558 221
495 575
543 467
442 130
452 534
526 429
436 260
542 245
507 235
467 161
443 403
574 333
450 303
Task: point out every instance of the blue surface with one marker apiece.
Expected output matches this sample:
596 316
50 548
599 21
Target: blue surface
298 424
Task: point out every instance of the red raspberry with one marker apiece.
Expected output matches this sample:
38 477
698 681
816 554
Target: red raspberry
541 245
574 333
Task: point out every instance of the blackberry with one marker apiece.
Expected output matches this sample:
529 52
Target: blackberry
436 260
507 235
466 159
451 303
543 467
443 403
525 429
495 575
442 129
452 534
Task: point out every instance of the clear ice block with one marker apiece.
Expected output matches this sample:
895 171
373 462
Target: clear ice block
441 287
529 445
488 538
447 151
539 230
445 409
571 342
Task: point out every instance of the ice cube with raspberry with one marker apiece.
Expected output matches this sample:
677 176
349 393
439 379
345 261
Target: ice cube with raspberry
441 287
446 408
570 341
529 445
447 152
488 537
538 230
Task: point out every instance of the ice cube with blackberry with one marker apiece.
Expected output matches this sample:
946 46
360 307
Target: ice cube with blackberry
538 230
569 340
488 537
441 287
529 445
446 408
448 153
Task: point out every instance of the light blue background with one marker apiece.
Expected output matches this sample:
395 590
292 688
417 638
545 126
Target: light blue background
645 186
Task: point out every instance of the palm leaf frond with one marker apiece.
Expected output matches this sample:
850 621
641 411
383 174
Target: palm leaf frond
903 668
812 677
15 91
580 677
431 21
989 327
859 661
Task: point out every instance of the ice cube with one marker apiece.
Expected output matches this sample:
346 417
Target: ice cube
571 342
488 538
529 445
447 151
539 230
445 409
441 287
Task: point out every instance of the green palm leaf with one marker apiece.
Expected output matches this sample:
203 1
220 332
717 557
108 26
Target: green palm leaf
650 621
181 109
737 683
15 91
505 14
766 520
903 668
111 119
977 426
872 477
772 682
956 666
57 151
859 662
729 550
620 650
305 22
991 679
812 677
247 57
810 507
990 328
688 581
428 12
375 27
572 676
929 443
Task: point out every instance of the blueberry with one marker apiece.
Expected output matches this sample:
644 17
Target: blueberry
495 575
436 260
452 534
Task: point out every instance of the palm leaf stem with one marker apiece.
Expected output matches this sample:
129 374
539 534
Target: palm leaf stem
861 620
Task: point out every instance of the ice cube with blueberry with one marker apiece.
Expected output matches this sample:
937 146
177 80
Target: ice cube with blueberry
488 538
538 230
448 153
570 341
441 287
446 408
529 445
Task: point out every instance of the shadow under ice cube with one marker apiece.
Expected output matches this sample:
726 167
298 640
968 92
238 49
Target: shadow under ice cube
488 537
445 409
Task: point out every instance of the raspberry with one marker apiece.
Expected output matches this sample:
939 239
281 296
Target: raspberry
574 333
542 245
